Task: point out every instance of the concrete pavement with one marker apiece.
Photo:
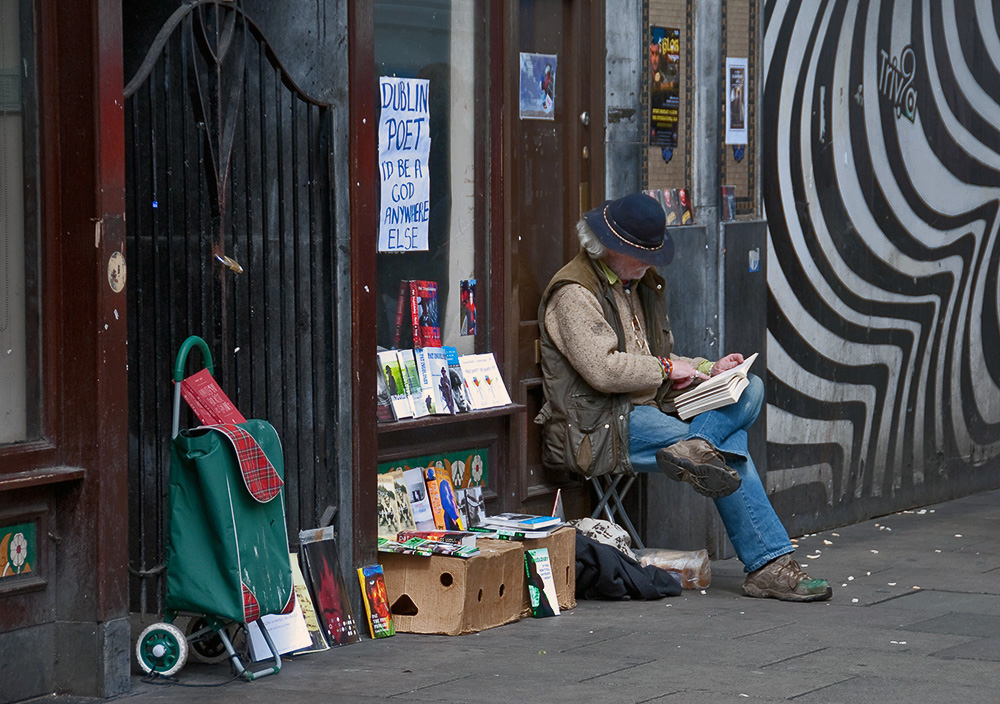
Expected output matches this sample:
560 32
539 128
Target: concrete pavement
915 617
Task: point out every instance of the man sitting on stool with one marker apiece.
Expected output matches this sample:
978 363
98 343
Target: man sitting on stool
609 374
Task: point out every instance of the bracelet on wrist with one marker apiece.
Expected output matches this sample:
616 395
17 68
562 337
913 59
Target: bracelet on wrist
666 366
706 367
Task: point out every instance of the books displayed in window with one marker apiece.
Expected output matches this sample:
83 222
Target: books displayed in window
486 387
424 314
497 533
389 367
209 402
383 407
520 521
329 592
541 584
411 381
459 389
716 392
435 383
423 516
687 212
393 501
376 601
444 503
468 302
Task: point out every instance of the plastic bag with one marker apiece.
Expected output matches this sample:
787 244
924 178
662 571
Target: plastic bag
693 568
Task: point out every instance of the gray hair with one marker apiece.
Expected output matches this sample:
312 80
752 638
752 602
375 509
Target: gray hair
588 240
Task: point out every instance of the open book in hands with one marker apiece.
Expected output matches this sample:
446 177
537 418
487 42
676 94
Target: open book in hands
720 390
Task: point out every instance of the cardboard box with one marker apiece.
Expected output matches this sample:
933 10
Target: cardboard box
455 596
562 554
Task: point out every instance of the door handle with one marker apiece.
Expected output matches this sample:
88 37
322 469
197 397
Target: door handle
584 118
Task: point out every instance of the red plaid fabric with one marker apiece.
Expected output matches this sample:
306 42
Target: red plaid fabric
251 609
259 475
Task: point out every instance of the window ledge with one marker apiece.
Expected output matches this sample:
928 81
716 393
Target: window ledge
40 477
391 426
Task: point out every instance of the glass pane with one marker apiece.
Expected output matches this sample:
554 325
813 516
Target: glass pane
18 364
444 42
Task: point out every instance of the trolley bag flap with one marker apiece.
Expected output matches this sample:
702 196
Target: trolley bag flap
227 554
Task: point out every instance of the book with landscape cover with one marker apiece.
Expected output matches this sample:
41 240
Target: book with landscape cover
411 382
329 592
459 389
435 383
209 402
718 391
389 366
486 387
419 503
376 600
424 314
393 501
541 584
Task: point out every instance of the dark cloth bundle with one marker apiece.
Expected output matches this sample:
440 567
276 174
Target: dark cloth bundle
603 572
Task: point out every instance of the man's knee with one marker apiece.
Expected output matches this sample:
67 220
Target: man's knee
753 396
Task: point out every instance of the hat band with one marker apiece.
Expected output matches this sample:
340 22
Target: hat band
604 214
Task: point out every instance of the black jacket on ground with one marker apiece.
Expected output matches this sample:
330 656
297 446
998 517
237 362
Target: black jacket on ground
604 572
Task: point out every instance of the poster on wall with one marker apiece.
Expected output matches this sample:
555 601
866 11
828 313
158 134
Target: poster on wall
736 104
404 146
538 86
664 88
468 320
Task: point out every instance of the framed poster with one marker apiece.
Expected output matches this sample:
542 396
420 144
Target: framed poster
664 88
538 86
736 101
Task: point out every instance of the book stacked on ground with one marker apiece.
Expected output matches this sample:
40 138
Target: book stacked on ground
716 392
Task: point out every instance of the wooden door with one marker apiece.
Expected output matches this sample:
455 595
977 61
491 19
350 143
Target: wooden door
555 173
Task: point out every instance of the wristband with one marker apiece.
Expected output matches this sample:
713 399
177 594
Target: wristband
706 367
666 366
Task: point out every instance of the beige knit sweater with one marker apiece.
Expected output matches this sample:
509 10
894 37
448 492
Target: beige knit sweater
576 324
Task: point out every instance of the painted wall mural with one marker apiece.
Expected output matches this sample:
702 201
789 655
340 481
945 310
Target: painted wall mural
881 172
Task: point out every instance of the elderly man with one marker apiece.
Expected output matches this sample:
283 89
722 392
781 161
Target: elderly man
610 374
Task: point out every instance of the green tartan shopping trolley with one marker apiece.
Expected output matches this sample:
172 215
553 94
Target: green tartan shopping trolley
227 547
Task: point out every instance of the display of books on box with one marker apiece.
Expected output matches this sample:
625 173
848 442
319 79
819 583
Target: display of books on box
718 391
466 538
427 381
521 521
424 547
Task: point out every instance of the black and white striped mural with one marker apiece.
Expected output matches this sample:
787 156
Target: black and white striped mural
881 173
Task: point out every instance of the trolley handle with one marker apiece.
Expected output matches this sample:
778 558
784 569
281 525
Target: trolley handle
182 354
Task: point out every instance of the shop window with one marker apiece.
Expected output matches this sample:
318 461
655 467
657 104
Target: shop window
19 267
439 49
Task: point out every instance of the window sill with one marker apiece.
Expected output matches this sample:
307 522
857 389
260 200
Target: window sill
432 421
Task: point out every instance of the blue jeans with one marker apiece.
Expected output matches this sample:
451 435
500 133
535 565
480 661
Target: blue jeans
750 520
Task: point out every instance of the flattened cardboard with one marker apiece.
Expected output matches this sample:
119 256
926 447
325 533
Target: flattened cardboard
561 545
452 596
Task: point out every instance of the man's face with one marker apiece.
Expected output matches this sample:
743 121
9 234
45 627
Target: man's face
625 266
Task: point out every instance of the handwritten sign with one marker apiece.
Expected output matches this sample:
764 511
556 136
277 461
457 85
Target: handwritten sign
404 145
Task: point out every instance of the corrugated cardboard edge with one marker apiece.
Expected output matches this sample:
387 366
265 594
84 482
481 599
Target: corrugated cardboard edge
562 554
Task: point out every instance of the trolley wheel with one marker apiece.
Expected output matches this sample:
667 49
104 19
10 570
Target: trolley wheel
161 648
208 648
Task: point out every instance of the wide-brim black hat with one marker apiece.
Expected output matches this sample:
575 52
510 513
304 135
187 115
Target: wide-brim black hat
634 225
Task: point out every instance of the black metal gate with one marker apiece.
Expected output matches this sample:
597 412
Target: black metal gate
230 237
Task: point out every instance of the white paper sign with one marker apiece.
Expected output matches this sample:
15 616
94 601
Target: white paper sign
404 145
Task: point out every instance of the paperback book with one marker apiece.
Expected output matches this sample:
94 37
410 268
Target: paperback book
329 592
208 401
459 389
465 538
486 388
424 547
420 505
389 365
470 505
718 391
383 407
411 382
521 521
435 383
541 585
376 600
393 501
424 314
498 533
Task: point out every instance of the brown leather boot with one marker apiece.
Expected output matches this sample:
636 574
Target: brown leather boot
783 578
698 463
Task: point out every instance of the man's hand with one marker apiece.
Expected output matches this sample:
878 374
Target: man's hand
682 374
728 362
